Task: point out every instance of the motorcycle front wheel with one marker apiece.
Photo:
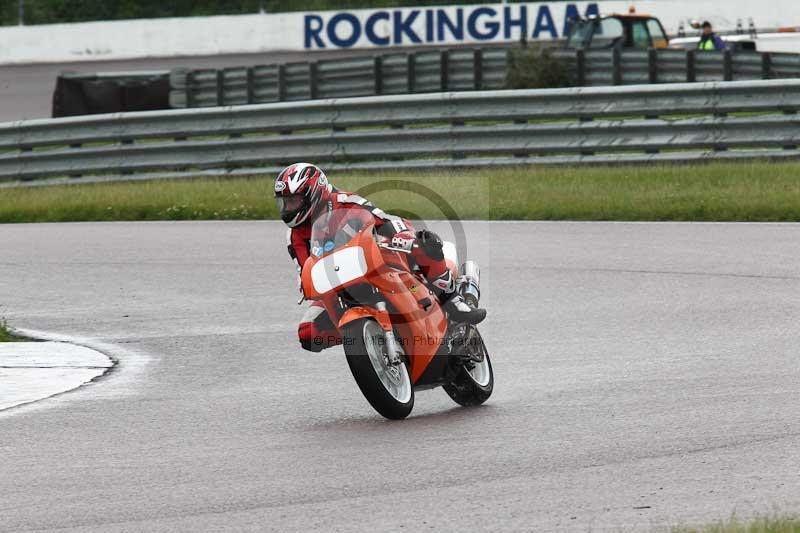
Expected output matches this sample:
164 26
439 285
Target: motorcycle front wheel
474 380
386 387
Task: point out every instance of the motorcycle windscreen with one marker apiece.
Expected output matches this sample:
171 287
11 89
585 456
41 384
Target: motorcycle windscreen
334 228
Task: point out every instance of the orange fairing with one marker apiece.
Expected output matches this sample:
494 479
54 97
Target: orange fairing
413 310
357 313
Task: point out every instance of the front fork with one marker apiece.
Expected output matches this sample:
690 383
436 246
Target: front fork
394 352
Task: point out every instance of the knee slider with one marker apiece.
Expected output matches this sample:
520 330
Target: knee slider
310 337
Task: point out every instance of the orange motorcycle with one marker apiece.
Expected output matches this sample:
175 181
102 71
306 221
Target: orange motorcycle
396 336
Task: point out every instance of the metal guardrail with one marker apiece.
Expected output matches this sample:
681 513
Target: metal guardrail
679 122
636 66
461 69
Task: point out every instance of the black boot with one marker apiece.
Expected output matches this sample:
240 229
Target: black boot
460 311
454 304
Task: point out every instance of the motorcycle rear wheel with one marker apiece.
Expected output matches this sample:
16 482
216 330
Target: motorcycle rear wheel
474 381
387 388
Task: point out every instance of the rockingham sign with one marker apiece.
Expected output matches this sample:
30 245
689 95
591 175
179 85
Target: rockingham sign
441 25
471 24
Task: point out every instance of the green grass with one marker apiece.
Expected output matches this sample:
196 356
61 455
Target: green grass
753 191
5 332
759 525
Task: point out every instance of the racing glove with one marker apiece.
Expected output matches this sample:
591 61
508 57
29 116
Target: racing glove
431 244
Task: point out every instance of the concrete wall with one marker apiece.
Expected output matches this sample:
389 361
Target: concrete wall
373 28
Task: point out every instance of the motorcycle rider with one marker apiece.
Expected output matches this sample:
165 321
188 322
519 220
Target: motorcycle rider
303 192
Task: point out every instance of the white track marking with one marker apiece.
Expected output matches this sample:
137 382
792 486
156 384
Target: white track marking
31 371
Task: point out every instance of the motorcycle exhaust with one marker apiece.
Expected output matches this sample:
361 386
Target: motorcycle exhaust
469 283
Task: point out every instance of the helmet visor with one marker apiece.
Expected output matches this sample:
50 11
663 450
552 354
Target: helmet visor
290 206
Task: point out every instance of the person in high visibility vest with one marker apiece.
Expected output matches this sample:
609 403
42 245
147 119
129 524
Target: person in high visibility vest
710 40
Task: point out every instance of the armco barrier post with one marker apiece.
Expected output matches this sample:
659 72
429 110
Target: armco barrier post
766 65
377 73
251 85
220 87
75 174
652 65
312 80
281 81
580 64
691 65
411 67
727 65
616 66
189 88
477 69
444 66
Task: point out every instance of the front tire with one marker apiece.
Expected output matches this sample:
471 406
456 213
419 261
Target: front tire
474 381
387 388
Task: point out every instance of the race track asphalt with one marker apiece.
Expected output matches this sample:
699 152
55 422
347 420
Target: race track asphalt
646 376
26 91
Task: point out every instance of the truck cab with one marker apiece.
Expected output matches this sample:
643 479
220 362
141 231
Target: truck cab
630 30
